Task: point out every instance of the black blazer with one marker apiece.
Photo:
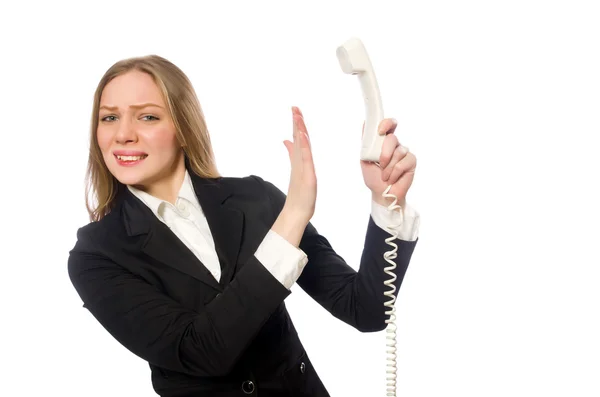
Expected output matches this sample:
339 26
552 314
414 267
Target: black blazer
229 338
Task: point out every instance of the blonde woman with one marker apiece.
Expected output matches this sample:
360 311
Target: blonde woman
189 270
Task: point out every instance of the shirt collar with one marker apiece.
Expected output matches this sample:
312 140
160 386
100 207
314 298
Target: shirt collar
186 192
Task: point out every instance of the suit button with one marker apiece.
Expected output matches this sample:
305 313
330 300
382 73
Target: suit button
302 367
248 387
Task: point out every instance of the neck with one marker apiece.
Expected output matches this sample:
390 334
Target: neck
168 184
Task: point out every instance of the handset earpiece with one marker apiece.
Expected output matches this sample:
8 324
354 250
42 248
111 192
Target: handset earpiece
354 60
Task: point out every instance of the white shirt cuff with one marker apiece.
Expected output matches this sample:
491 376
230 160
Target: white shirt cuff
407 228
284 261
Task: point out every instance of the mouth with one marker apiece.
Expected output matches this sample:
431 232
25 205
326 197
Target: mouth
130 160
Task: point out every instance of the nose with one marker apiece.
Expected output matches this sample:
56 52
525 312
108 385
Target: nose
125 132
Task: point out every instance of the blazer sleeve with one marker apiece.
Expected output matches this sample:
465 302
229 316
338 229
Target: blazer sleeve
201 342
355 297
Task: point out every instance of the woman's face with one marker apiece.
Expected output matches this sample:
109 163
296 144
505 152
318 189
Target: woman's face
136 133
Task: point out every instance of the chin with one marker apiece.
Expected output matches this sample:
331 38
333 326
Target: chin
131 180
130 177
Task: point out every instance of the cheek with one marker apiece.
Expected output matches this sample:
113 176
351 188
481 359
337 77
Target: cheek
163 141
103 139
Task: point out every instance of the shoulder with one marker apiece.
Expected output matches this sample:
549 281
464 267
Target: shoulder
254 184
254 190
91 236
248 181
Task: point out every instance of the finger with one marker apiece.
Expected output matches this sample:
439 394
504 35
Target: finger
387 126
390 143
301 125
294 133
407 164
296 109
301 132
296 144
300 118
296 112
401 187
305 147
399 154
302 147
307 157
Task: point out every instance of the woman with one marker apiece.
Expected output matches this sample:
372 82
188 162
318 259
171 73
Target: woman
189 270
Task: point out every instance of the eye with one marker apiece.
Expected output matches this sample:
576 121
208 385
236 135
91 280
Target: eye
105 118
155 118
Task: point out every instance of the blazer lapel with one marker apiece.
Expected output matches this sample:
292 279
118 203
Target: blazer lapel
160 243
225 223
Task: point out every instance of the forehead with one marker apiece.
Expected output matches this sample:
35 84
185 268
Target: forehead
131 88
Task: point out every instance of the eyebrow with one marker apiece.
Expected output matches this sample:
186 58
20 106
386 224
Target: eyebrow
140 106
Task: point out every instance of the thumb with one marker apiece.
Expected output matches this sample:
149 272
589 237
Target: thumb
290 148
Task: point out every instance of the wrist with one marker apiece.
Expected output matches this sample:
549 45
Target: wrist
290 225
295 216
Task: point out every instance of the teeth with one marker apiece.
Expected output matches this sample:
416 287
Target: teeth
131 158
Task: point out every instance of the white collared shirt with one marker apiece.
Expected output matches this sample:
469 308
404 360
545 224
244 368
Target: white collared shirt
283 260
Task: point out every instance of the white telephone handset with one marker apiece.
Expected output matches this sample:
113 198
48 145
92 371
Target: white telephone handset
354 60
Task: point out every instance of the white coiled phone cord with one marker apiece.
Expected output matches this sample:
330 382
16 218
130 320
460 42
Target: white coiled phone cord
389 256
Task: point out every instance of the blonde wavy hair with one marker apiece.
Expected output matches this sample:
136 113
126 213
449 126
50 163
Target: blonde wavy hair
186 112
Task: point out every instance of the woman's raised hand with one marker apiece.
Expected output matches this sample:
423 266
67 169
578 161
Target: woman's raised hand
302 192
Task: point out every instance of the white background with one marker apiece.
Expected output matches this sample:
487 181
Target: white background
499 101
